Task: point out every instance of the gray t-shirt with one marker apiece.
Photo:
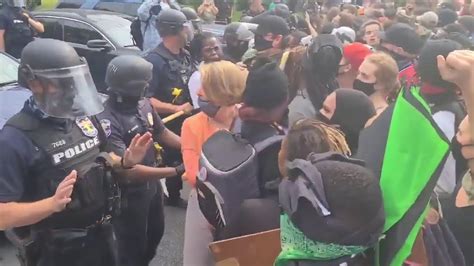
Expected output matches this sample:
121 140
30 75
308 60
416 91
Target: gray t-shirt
301 107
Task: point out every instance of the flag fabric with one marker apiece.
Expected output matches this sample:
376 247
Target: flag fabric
406 150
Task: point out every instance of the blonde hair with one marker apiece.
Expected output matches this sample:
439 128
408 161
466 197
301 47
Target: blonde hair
386 72
223 82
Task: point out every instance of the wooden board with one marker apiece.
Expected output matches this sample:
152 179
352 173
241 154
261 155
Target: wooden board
259 249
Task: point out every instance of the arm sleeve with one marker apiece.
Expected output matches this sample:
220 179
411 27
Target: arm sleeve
115 141
155 60
16 156
190 153
3 22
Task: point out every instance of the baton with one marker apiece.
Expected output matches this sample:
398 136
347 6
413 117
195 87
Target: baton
179 114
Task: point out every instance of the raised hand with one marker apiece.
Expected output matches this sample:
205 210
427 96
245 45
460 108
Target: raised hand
457 68
63 192
137 149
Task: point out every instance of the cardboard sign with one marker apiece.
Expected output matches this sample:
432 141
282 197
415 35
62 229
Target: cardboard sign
260 249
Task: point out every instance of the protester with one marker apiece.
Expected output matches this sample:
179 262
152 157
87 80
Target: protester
446 16
370 31
17 27
349 110
236 37
269 37
428 20
222 86
456 68
352 200
468 23
207 11
147 13
344 20
317 77
255 8
205 48
378 79
353 56
447 109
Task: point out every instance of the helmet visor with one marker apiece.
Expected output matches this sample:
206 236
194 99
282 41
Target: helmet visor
68 92
18 3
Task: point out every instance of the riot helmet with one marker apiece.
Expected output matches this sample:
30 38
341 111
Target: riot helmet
15 3
128 76
170 22
192 17
60 80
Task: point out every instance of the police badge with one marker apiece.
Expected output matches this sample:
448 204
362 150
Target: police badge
105 123
149 116
87 127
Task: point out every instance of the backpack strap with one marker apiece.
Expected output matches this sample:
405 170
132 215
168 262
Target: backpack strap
262 145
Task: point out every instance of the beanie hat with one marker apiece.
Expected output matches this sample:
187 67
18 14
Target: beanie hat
446 16
266 88
404 36
427 67
467 22
355 53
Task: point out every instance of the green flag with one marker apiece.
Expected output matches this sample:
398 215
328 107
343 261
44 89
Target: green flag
407 150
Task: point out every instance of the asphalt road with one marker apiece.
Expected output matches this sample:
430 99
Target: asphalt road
170 250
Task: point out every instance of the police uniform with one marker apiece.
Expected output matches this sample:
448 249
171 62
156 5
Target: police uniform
169 84
18 32
37 152
140 225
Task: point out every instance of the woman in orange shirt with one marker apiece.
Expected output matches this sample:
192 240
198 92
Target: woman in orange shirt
222 86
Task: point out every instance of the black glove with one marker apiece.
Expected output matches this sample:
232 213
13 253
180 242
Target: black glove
179 170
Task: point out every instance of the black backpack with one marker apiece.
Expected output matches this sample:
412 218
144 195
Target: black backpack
136 31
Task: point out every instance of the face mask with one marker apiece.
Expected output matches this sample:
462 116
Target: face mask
208 108
323 119
261 44
367 88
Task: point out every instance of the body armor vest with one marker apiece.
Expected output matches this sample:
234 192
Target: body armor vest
180 72
76 148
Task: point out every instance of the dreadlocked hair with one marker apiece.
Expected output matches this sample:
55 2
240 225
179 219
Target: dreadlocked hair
309 135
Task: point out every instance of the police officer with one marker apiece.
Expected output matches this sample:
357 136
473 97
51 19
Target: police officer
53 176
140 225
168 89
17 27
193 17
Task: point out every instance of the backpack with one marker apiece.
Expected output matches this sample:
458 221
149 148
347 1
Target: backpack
228 178
136 32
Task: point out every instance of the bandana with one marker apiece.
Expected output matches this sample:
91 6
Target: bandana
296 246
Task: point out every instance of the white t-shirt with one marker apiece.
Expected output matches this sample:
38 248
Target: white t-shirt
194 84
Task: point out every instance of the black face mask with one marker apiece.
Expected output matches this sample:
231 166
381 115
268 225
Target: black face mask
261 44
125 103
367 88
323 119
208 108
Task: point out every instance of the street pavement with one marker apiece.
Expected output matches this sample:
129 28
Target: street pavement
170 250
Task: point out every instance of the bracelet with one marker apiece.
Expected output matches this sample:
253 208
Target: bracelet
121 164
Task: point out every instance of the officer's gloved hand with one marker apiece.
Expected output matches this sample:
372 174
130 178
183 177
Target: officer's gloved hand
180 170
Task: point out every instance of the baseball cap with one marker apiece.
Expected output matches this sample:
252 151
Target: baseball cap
345 34
272 24
355 53
241 30
404 36
428 19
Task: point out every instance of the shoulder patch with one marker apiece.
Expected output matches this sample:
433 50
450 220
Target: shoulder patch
87 127
105 123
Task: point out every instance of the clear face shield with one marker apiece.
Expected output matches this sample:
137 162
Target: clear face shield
188 29
68 92
18 3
